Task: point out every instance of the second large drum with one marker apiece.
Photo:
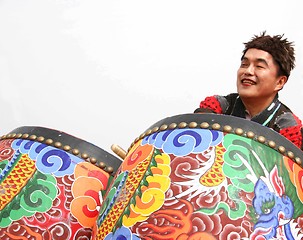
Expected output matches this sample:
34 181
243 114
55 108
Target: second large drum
206 176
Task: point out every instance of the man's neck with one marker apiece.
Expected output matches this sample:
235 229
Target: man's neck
254 107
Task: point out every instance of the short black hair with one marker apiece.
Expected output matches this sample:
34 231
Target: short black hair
281 50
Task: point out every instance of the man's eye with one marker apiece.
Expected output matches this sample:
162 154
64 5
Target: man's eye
244 65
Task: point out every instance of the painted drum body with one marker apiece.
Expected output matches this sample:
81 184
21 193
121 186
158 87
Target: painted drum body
206 176
51 184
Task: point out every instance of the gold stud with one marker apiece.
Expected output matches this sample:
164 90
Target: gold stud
250 134
193 124
298 160
204 125
182 125
19 135
155 129
163 127
93 160
290 154
32 137
261 139
281 149
75 151
227 128
130 148
142 135
239 131
40 139
66 148
109 169
25 135
84 155
102 165
49 141
58 144
172 126
272 144
216 126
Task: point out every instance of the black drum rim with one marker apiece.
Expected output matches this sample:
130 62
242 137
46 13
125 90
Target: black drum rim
69 143
228 124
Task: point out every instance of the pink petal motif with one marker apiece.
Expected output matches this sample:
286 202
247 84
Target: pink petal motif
277 182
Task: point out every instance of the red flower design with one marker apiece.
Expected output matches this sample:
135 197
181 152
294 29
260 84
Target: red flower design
6 151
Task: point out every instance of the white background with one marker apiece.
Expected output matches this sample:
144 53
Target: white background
105 71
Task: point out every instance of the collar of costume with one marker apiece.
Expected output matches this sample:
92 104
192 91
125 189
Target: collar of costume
263 117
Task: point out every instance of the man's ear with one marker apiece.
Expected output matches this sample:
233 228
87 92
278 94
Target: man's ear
281 82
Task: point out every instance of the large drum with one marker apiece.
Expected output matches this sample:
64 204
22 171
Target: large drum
206 176
51 184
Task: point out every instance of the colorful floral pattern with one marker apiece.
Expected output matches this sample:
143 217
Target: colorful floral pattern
47 193
203 184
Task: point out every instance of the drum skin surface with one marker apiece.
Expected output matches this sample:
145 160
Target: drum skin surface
48 189
206 176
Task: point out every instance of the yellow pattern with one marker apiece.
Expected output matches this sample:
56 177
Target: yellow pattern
16 179
152 193
127 192
215 176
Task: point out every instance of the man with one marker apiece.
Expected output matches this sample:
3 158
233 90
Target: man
265 67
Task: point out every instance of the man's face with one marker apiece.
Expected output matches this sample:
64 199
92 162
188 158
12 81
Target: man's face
257 76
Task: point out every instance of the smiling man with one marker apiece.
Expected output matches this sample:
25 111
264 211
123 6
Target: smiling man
265 67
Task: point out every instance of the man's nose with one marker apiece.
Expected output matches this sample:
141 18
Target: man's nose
249 70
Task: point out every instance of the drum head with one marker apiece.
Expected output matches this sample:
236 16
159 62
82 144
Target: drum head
206 176
52 184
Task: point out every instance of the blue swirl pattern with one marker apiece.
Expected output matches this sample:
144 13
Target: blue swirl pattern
122 233
182 142
49 160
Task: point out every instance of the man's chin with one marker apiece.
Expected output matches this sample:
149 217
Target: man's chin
246 94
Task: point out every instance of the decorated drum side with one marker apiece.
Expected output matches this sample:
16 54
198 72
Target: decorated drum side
206 176
51 184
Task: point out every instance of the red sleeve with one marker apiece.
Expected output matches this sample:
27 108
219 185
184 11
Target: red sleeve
294 133
211 103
